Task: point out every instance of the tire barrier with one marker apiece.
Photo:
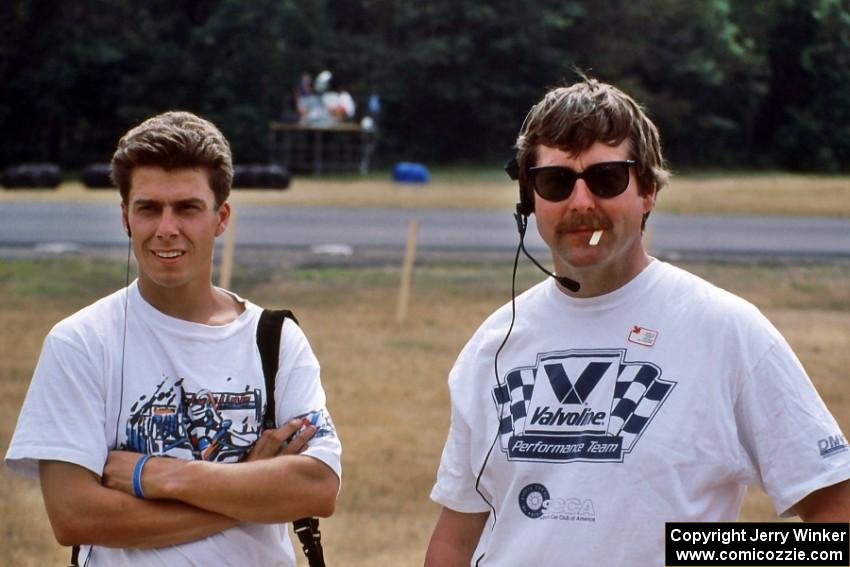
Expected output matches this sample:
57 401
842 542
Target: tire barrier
32 176
96 176
260 176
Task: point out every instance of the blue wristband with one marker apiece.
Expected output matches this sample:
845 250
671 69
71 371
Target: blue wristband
137 476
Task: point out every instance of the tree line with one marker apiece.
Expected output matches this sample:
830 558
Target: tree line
731 83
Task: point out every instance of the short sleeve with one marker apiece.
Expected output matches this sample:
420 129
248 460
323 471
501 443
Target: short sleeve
456 477
63 416
788 431
299 393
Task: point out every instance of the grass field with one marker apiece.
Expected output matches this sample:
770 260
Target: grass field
773 193
385 381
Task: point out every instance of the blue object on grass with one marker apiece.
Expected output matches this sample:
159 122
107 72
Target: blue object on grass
410 172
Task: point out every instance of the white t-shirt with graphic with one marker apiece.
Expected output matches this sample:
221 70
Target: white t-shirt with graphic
168 387
657 402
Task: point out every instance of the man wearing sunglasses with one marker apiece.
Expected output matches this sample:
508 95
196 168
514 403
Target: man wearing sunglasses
622 393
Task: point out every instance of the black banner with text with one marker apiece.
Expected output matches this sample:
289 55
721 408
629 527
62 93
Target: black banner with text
756 544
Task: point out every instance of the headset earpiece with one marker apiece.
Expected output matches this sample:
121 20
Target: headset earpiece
524 206
512 169
125 219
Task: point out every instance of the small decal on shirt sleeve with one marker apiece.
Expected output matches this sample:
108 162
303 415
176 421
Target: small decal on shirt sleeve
832 445
643 336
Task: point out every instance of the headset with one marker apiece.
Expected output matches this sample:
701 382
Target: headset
75 550
124 333
524 208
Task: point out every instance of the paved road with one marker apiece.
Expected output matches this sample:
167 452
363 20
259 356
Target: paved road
56 225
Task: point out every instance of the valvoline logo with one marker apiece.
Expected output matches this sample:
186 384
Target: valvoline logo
578 405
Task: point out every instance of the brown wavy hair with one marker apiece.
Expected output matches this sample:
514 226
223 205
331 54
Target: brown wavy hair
175 140
573 118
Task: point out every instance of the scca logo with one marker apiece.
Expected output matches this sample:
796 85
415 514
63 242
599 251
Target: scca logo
536 503
575 506
532 499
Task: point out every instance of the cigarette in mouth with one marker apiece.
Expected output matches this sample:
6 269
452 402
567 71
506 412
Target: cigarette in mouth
596 237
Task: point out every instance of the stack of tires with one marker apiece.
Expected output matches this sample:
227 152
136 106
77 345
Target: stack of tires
96 176
32 176
260 176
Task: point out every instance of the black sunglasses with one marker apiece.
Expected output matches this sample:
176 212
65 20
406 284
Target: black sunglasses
605 180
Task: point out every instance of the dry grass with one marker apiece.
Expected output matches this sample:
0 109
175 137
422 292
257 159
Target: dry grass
735 194
386 382
759 194
27 538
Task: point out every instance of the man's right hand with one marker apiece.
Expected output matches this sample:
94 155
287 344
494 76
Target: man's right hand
82 511
273 442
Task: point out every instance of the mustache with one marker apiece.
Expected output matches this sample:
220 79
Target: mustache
584 222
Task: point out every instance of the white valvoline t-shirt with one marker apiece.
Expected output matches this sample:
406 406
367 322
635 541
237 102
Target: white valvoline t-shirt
167 387
658 402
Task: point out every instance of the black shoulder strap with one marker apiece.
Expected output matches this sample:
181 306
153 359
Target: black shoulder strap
268 341
310 537
75 557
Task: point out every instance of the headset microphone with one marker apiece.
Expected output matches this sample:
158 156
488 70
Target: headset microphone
521 225
525 207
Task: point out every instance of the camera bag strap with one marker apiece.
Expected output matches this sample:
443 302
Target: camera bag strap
268 340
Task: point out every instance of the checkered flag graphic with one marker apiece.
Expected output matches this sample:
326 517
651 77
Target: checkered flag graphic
513 398
637 395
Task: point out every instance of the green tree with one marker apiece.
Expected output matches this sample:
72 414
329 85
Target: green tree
729 83
457 77
688 63
79 74
806 117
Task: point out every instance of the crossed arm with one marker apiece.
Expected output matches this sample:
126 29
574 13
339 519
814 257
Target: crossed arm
187 500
